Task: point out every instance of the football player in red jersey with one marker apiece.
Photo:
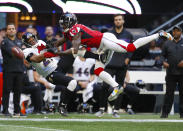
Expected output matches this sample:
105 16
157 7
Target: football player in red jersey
106 43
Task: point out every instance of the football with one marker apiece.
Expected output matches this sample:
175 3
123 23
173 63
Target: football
17 52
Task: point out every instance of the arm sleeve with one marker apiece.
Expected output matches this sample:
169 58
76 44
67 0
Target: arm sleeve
28 54
7 47
74 31
92 70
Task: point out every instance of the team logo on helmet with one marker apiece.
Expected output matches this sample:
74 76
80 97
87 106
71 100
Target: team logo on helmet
67 20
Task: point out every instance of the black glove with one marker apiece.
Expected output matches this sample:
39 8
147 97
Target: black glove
52 50
104 57
49 45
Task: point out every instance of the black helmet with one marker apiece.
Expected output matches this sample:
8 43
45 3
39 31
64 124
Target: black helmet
68 20
26 36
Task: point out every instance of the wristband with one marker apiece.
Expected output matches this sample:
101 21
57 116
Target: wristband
72 49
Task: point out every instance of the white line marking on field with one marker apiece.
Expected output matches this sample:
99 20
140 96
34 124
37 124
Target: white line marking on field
92 120
48 129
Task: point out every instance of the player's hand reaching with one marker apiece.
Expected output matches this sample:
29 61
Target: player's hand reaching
49 45
47 85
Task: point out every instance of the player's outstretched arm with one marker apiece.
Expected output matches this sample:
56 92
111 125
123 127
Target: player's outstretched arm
75 46
60 42
41 57
76 42
36 58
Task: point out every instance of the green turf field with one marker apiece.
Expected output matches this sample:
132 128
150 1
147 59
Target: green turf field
88 122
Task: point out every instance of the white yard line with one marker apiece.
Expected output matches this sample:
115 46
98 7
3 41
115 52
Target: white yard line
30 127
92 120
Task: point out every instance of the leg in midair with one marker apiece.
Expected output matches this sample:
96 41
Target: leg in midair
112 43
107 78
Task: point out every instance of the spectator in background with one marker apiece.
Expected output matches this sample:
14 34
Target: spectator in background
2 34
154 54
172 57
19 35
49 32
12 71
58 35
154 51
82 70
34 91
32 30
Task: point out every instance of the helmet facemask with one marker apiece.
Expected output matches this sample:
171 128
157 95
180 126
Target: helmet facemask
26 39
67 20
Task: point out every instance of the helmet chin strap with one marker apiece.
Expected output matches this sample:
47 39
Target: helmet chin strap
66 30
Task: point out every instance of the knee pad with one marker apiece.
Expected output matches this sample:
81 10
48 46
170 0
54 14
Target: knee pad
72 85
98 71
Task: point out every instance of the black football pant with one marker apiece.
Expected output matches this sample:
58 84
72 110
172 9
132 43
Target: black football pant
36 96
60 79
171 83
12 81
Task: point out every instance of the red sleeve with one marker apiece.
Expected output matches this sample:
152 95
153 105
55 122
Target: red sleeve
74 30
49 55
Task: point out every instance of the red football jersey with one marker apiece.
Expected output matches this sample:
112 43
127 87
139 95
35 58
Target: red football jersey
89 37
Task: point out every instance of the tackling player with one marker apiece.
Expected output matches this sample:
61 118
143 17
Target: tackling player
79 34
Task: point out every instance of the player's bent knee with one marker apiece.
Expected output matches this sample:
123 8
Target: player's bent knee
72 85
131 47
98 71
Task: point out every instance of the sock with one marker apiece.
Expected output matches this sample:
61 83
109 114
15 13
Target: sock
89 54
66 95
102 108
145 40
108 79
116 111
129 106
52 86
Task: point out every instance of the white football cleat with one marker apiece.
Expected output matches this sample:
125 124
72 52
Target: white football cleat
115 93
166 35
100 113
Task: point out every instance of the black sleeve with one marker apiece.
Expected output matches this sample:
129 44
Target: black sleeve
28 57
7 47
92 70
